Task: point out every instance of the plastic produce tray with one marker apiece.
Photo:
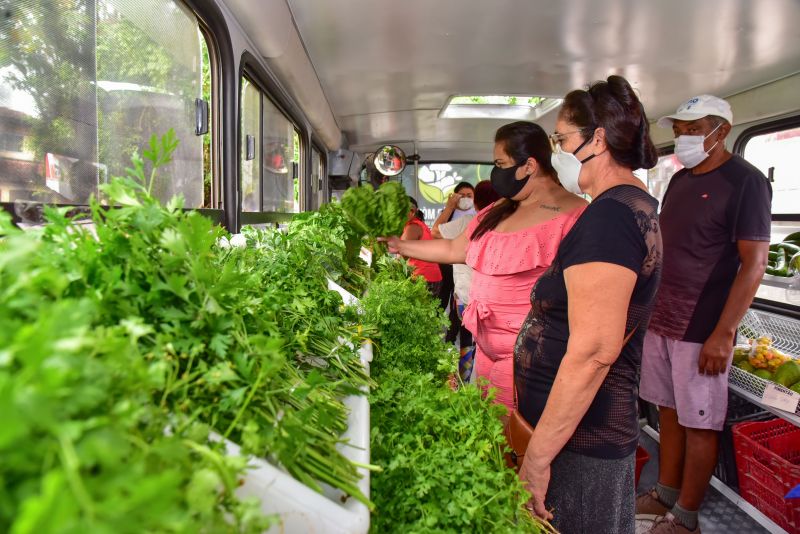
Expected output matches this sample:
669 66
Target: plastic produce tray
768 463
300 508
739 411
785 334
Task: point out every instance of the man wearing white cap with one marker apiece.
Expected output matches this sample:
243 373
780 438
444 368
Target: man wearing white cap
715 228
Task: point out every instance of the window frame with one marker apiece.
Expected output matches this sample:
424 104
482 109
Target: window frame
323 172
223 110
766 128
250 67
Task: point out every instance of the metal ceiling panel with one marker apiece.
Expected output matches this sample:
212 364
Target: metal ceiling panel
388 67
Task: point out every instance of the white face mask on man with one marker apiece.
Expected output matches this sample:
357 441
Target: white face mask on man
690 149
465 203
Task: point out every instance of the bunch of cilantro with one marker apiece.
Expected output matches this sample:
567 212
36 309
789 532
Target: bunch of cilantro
410 324
377 213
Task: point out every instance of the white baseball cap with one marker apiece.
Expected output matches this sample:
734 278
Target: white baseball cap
698 107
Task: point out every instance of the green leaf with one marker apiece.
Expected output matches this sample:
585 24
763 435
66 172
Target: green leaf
203 491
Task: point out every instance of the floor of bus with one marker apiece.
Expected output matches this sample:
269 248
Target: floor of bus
718 514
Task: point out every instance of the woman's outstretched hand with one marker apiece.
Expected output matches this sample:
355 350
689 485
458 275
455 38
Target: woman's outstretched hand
392 243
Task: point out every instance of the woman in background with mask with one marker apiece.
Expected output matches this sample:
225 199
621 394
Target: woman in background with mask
576 362
508 245
459 204
485 195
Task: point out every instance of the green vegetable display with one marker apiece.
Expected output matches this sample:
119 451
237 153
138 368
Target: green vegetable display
440 450
784 257
86 446
442 457
127 342
172 336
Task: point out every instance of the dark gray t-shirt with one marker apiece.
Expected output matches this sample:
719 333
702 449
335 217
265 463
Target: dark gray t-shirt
702 217
620 227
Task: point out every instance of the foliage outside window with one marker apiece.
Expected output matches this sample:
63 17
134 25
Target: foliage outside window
86 82
295 170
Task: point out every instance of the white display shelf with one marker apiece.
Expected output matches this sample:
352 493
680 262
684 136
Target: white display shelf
781 281
750 397
301 509
785 333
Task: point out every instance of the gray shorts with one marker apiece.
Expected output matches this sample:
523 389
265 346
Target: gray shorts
670 378
592 495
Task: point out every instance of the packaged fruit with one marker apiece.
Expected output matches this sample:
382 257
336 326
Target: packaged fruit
764 356
741 353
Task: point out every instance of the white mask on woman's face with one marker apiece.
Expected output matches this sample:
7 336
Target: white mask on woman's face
690 149
465 203
568 167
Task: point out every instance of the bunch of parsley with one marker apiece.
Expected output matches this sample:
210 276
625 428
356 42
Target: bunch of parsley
83 443
441 452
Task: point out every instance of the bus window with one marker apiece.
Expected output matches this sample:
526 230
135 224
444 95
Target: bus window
659 176
84 84
298 187
776 155
317 172
278 156
251 147
206 79
435 182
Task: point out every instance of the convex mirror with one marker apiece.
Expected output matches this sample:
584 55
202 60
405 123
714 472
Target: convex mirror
389 160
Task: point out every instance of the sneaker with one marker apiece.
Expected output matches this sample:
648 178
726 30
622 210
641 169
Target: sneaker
649 507
669 525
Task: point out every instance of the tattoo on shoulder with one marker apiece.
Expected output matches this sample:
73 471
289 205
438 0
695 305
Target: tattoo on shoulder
551 208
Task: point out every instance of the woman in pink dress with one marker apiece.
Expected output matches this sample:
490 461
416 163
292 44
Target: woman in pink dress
508 245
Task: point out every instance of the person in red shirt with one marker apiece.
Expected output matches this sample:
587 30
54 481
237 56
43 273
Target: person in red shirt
416 230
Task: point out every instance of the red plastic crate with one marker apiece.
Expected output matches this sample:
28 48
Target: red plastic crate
768 461
782 511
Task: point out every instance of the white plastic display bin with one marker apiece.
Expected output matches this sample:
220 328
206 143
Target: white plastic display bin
300 508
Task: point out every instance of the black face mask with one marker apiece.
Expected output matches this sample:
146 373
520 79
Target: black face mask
505 183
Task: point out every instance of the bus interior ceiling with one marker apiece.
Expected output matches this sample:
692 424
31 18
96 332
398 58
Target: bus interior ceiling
368 72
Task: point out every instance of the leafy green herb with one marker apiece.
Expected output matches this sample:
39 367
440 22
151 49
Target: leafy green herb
377 213
441 453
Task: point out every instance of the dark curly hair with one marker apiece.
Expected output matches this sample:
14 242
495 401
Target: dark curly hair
613 106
